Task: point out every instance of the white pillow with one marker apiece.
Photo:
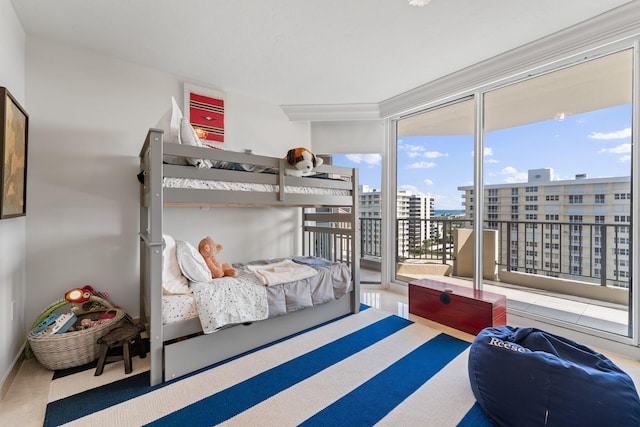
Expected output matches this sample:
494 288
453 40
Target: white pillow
170 124
173 282
191 263
188 136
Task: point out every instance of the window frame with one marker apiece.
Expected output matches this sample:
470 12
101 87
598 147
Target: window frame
539 67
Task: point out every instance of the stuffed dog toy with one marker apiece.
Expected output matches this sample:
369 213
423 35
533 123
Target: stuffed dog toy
209 249
301 162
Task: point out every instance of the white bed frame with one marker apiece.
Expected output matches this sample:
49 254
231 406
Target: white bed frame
329 233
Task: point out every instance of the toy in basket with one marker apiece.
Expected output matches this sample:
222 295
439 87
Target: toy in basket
69 339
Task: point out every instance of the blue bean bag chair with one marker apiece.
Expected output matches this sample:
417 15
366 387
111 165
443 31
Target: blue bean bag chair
528 377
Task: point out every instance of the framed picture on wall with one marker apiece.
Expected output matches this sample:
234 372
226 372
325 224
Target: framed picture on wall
14 127
204 108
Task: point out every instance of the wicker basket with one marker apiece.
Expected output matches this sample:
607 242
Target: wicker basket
71 349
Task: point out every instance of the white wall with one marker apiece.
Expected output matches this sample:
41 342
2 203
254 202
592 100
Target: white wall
347 137
12 231
89 117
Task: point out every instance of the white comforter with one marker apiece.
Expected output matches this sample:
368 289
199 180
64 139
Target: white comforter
230 300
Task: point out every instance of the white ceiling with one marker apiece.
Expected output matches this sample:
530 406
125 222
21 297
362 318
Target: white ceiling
593 85
302 51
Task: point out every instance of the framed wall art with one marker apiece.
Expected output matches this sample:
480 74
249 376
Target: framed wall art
204 108
14 128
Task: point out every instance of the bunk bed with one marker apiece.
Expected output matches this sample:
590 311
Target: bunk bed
328 205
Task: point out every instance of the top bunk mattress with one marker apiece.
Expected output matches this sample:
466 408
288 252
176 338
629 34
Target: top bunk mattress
203 184
228 178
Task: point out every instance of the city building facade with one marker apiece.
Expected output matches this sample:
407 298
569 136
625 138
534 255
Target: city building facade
413 215
575 229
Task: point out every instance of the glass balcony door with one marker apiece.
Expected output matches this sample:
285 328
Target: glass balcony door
434 155
556 181
370 202
558 189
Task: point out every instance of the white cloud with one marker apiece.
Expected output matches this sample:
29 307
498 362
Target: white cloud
624 149
620 134
427 181
620 149
422 165
492 161
434 154
512 175
410 147
411 150
370 159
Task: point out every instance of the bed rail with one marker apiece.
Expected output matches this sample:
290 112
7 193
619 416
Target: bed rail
333 185
334 234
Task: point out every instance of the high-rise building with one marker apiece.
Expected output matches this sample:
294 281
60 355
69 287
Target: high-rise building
370 207
576 229
413 212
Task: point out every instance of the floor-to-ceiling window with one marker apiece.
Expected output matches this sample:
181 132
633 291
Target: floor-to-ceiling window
434 157
557 188
370 211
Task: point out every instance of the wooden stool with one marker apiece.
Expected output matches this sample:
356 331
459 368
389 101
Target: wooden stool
121 336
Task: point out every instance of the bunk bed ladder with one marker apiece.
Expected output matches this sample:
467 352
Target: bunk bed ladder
151 249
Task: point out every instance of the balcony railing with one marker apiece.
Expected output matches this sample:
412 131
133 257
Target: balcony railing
581 251
432 240
595 253
370 236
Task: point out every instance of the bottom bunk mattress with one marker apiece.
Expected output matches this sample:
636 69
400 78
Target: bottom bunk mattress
262 289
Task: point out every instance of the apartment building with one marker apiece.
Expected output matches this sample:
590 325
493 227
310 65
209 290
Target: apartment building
575 229
413 212
421 209
370 200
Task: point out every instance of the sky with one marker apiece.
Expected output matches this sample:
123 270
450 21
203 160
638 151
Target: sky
596 143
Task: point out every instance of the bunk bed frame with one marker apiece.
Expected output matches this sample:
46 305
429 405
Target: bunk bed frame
179 348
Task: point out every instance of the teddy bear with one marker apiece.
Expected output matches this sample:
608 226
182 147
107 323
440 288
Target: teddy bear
208 248
301 162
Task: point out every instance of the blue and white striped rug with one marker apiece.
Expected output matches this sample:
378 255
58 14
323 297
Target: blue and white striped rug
366 369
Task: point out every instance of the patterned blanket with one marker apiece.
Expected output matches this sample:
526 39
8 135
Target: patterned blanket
245 298
230 300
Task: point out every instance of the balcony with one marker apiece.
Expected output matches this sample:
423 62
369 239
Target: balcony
534 271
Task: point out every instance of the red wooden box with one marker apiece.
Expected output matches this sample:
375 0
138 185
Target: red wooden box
459 307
